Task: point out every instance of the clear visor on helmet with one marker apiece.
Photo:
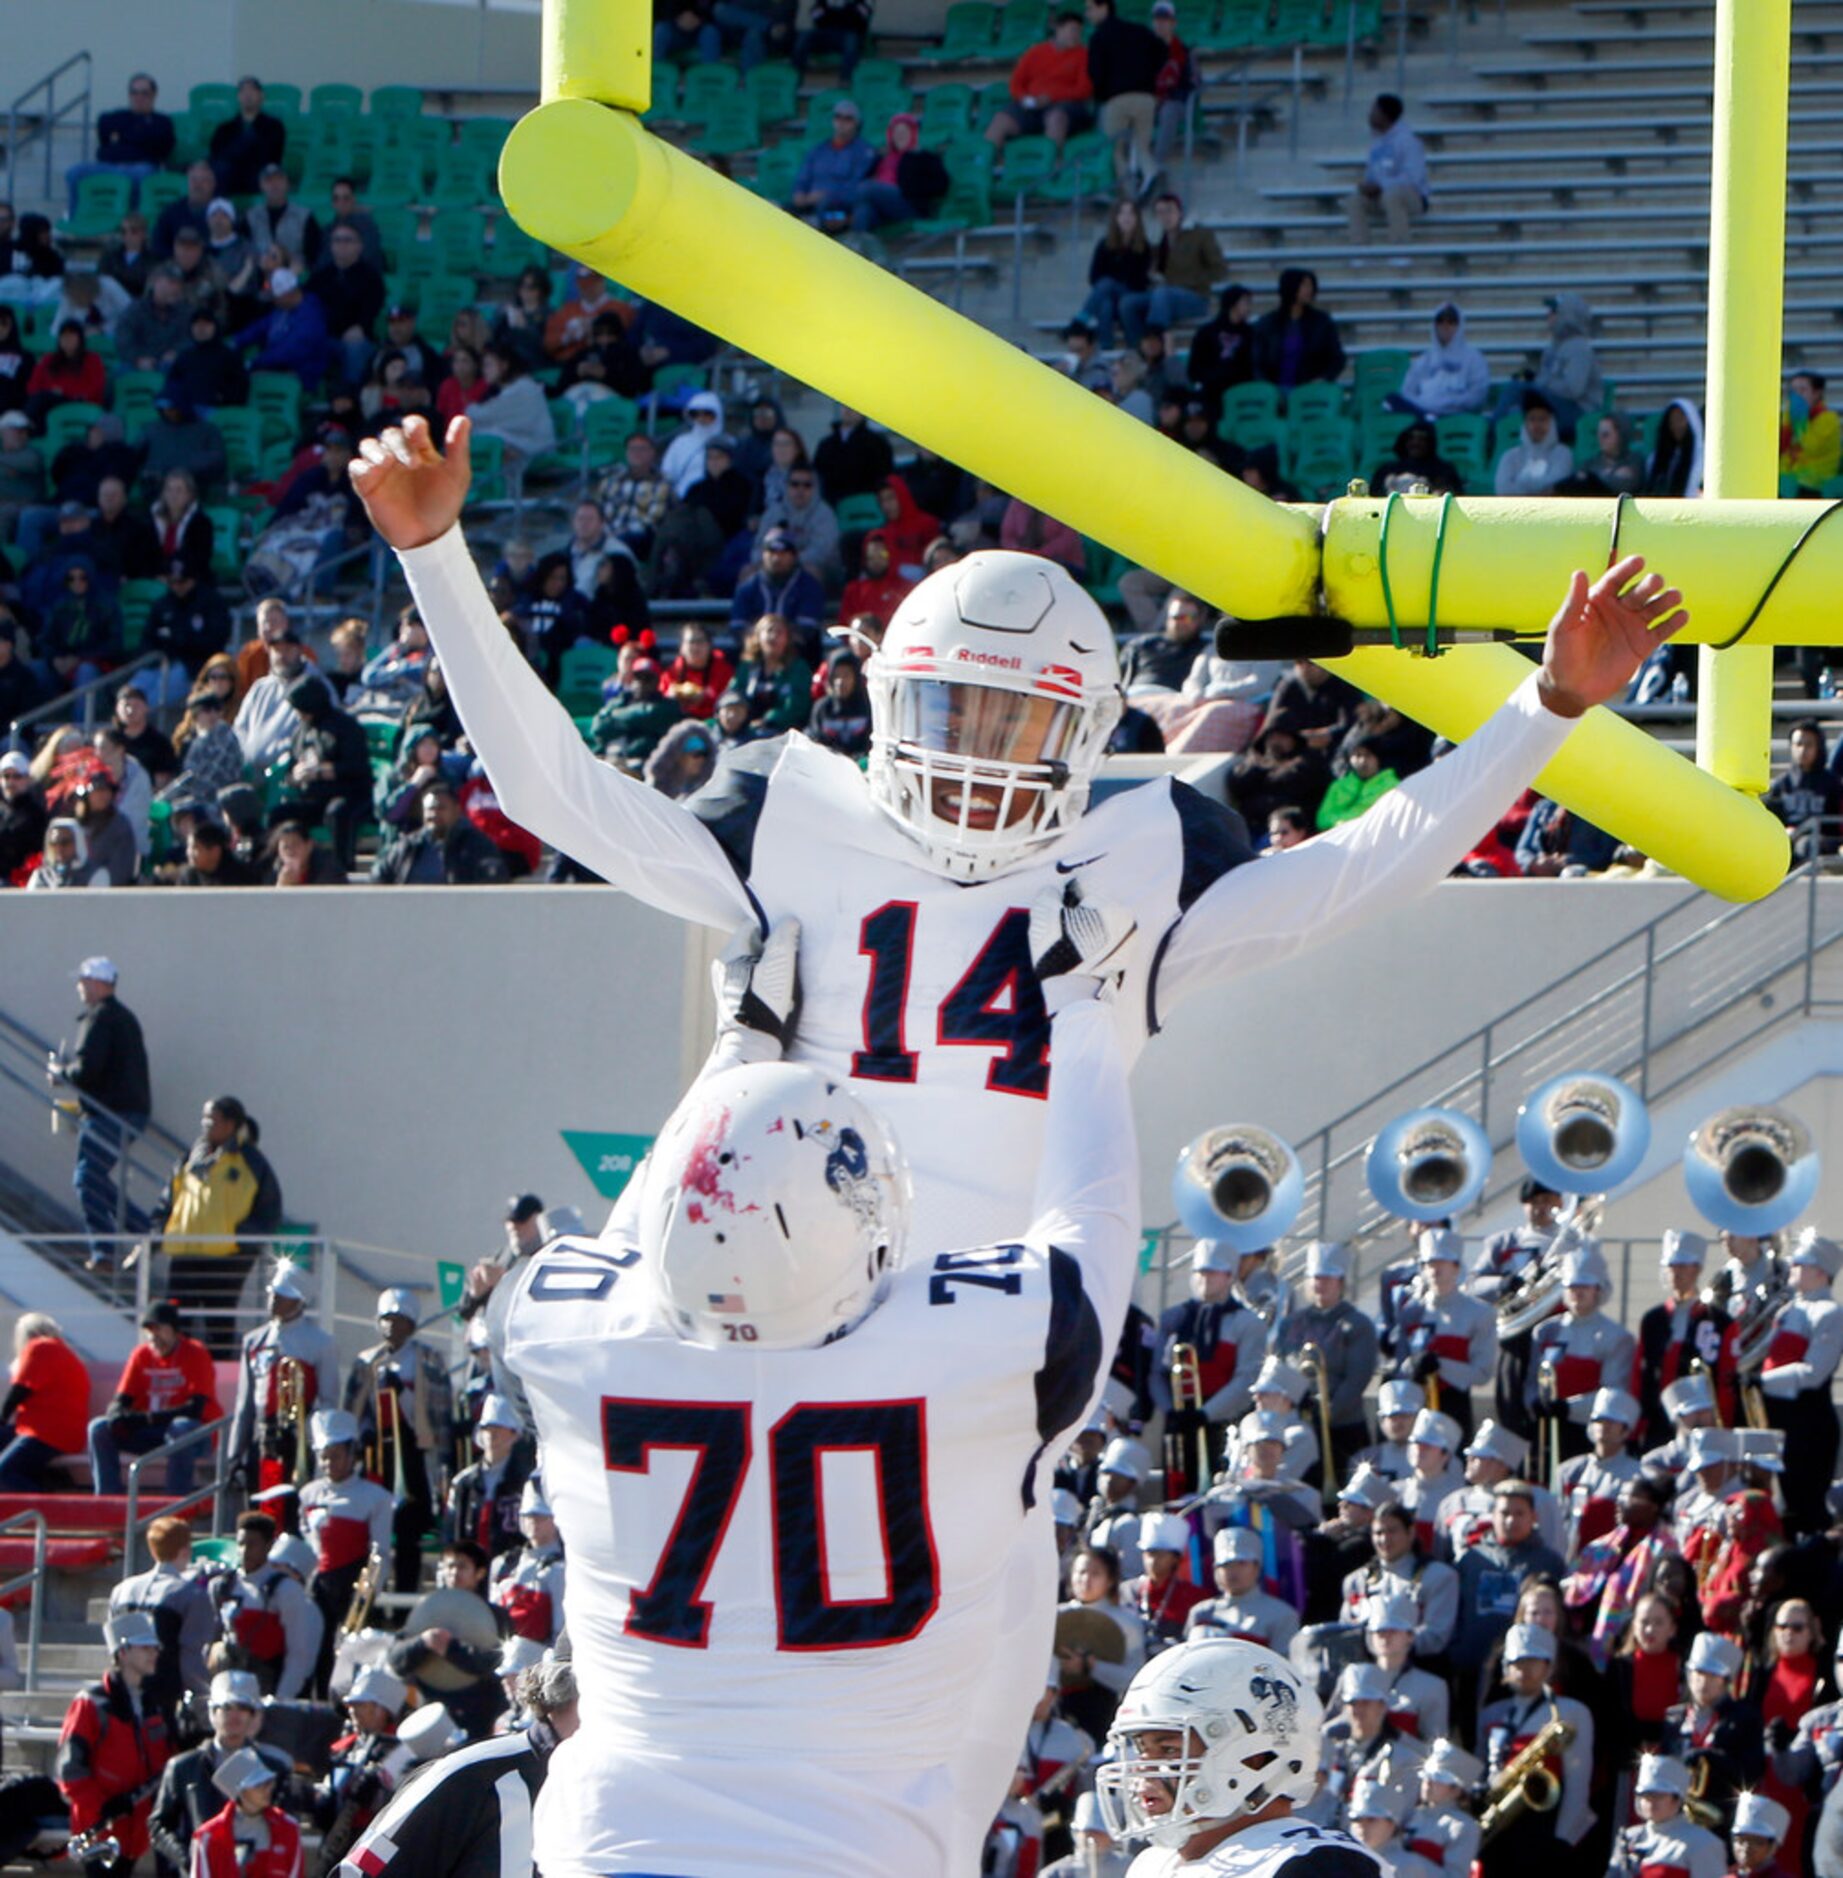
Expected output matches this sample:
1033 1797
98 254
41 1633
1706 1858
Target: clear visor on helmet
983 724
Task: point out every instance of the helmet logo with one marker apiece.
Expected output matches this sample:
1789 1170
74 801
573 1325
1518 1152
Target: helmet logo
988 658
848 1172
1281 1702
707 1168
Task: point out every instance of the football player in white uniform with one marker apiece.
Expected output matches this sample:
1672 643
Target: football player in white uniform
993 695
1214 1744
795 1455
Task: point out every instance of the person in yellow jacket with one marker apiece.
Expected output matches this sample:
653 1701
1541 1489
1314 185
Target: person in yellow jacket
1358 787
1812 451
221 1205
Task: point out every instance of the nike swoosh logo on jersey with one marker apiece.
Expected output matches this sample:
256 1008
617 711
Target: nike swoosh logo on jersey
1069 867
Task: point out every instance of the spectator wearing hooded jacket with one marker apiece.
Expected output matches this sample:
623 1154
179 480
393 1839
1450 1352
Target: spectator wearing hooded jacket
1568 373
852 459
1540 460
1807 789
1416 460
906 181
1394 183
1297 343
683 465
1449 377
841 719
329 767
880 588
1675 464
804 515
1222 353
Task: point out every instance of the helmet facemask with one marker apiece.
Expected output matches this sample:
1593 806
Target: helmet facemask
1209 1781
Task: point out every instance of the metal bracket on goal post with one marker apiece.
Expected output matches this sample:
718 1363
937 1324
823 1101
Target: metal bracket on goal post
581 173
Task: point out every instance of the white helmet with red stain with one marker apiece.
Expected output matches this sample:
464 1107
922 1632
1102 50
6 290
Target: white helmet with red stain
992 699
775 1209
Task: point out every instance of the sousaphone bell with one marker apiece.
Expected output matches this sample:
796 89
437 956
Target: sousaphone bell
1239 1185
1751 1170
1430 1164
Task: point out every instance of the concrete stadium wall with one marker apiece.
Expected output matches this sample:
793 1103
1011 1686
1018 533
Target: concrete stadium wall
413 1054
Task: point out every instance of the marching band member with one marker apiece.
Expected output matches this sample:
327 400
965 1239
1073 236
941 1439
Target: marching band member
367 1762
1343 1544
187 1798
268 1623
1447 1338
1512 1723
516 1655
115 1743
1278 1390
1399 1566
1665 1843
1418 1702
1689 1404
1376 1813
1683 1330
1345 1339
1714 1725
1762 1464
528 1584
444 1661
1759 1830
1439 1829
415 1376
1714 1462
1242 1609
262 1442
1579 1353
1113 1515
252 1837
1590 1483
1162 1595
484 1500
1096 1853
174 1595
1257 1494
1363 1742
1800 1362
1397 1404
1228 1337
347 1518
1506 1262
1464 1517
1433 1473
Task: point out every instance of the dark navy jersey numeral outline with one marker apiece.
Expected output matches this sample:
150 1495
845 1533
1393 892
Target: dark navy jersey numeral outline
997 1005
983 1269
887 939
671 1609
579 1276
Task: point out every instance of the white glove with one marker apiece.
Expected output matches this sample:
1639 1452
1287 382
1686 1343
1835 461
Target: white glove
1080 947
757 986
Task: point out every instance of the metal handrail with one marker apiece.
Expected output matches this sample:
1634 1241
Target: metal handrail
35 1577
24 1037
113 680
214 1490
50 117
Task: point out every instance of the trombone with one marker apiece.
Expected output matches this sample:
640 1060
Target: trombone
291 1411
1312 1362
1187 1423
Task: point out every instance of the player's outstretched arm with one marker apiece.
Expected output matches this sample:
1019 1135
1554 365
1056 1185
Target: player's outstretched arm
546 778
1087 1198
1419 832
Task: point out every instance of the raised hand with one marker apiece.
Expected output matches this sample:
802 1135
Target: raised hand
411 491
1080 947
1602 634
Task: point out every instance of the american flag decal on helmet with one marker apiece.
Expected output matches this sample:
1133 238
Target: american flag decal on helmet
728 1303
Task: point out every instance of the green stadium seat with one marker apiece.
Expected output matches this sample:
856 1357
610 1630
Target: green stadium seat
1255 402
227 541
731 126
1464 440
1021 23
858 512
136 599
1322 455
875 72
1314 404
671 378
1087 168
212 103
396 179
458 237
513 250
580 675
396 101
364 140
775 171
158 191
463 179
1379 373
1029 165
775 87
190 139
397 229
440 298
134 394
489 460
666 91
66 423
484 136
281 100
605 427
102 201
275 397
241 428
1255 433
945 109
335 101
879 103
967 32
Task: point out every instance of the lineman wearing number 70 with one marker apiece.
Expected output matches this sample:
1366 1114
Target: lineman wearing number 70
992 699
793 1454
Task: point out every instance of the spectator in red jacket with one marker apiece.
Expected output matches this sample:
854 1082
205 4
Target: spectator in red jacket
252 1837
69 372
47 1410
1050 88
167 1389
114 1743
880 588
700 674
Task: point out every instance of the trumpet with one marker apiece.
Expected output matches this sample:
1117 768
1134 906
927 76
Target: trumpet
1697 1805
1190 1465
1312 1362
291 1410
1525 1784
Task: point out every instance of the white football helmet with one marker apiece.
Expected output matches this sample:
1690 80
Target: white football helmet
775 1209
1250 1729
997 674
